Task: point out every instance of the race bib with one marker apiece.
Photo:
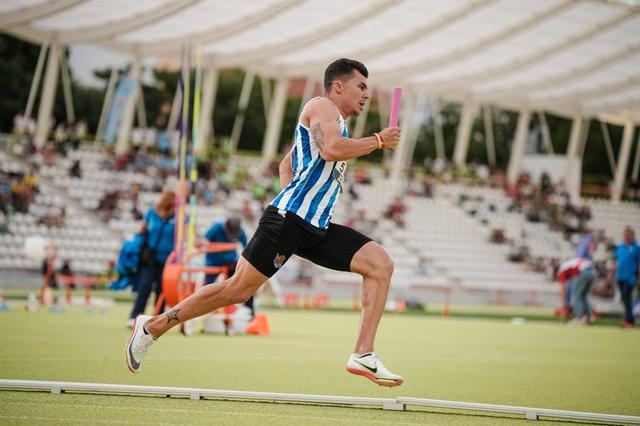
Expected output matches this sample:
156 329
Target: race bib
338 173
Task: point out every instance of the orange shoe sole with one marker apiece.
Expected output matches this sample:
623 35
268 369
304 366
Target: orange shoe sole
374 379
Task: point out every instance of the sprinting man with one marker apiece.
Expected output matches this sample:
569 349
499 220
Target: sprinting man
298 222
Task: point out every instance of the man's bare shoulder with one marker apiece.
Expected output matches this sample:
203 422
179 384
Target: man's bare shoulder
318 108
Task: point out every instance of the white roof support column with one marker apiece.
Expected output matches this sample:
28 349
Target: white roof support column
607 144
636 163
573 174
127 115
464 133
141 112
584 136
274 124
623 161
437 129
517 147
401 151
384 105
488 135
243 103
106 104
209 91
47 96
309 88
265 86
66 88
176 105
546 134
358 130
414 131
35 83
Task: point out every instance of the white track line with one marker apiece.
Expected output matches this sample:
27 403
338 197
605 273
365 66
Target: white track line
178 410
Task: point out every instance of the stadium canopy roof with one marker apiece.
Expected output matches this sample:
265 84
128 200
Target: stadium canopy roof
570 57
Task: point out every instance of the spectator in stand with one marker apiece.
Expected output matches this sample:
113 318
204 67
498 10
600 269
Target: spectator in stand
66 270
48 268
587 245
361 223
21 194
627 269
546 187
5 193
75 170
580 273
248 213
362 176
228 231
395 211
158 227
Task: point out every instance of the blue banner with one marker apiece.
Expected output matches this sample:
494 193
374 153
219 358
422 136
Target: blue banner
124 89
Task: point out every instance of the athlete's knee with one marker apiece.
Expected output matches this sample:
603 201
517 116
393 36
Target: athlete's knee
375 263
385 266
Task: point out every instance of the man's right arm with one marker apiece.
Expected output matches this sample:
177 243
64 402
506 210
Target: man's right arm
333 146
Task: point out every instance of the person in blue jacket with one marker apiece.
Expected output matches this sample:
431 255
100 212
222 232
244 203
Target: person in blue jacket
158 231
627 269
227 231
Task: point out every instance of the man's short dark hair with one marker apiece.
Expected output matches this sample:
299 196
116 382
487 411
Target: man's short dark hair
341 69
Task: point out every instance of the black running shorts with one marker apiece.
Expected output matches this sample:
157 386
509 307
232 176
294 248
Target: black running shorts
281 235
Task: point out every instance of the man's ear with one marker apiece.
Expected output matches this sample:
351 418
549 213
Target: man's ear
337 86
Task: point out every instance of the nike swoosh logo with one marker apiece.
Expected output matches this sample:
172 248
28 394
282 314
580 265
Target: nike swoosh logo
132 360
373 370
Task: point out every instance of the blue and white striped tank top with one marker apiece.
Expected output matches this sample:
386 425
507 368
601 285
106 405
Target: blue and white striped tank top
316 184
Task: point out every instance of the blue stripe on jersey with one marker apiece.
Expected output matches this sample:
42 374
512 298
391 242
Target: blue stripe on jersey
324 217
298 197
308 177
319 196
294 153
306 146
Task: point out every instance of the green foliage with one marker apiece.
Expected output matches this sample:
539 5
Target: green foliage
17 63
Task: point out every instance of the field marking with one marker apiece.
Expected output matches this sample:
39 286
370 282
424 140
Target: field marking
84 421
53 359
180 410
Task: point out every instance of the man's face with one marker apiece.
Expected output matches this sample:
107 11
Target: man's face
628 236
354 92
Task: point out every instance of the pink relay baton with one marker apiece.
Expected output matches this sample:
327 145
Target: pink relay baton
395 106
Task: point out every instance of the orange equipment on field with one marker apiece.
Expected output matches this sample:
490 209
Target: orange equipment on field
178 279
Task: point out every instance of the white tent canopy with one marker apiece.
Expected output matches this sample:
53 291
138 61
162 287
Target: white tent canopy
574 58
569 57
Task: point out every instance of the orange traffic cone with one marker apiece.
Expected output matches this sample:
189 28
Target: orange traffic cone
259 325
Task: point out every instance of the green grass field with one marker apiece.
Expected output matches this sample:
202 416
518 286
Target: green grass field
540 364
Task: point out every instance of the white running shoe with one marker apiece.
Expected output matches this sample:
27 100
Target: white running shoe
139 344
369 366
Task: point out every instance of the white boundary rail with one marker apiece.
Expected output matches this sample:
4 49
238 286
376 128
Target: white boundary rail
398 403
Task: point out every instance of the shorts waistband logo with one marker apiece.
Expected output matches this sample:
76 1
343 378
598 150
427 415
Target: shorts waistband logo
279 260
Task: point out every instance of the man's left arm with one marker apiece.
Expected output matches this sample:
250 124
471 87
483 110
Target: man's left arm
286 170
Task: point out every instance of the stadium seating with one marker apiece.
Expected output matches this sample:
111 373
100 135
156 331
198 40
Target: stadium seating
442 246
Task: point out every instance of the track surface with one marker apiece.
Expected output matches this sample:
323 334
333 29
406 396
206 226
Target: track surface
535 364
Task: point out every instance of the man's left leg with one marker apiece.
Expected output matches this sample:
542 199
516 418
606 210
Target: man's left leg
376 268
345 249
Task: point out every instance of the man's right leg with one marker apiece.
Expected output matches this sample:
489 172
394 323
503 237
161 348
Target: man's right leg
146 329
237 289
